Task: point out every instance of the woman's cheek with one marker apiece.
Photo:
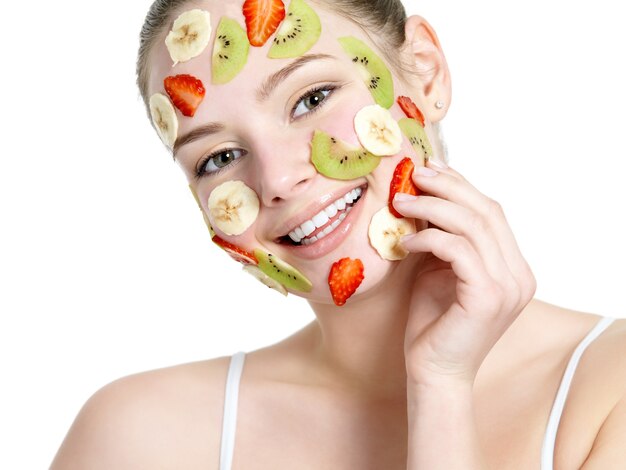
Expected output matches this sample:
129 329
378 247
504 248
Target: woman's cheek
340 123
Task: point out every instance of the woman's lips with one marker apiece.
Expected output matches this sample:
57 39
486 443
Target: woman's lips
331 241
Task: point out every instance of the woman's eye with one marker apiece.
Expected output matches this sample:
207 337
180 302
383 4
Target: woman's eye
310 101
216 161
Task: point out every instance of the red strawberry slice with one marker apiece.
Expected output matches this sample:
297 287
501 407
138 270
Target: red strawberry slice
344 279
186 92
410 109
236 253
262 19
401 182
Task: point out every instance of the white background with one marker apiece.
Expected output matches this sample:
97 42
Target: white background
105 265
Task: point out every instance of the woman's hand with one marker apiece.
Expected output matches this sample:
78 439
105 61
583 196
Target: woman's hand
473 284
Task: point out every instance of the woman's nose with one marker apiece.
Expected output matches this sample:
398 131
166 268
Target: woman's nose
283 171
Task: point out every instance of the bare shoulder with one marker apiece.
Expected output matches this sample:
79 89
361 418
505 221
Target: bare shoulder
604 361
160 419
597 398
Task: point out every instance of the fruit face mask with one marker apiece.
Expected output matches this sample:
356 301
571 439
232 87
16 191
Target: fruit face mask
233 207
189 36
375 73
230 51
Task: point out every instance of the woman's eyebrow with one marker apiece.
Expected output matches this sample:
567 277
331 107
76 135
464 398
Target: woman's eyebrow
263 93
197 133
271 82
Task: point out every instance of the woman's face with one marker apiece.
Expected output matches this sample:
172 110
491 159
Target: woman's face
258 129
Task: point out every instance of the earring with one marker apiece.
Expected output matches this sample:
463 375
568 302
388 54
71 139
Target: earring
439 104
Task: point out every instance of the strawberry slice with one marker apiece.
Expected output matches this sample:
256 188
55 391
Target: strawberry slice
344 279
238 254
410 109
262 19
401 182
186 92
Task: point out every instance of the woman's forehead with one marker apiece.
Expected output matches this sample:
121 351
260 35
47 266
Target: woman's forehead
257 64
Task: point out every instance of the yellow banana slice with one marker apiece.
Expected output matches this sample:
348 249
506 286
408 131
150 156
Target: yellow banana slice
378 131
164 118
385 232
265 279
233 207
189 36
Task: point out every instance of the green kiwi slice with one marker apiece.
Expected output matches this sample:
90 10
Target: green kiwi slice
230 51
282 272
417 136
375 73
298 32
335 159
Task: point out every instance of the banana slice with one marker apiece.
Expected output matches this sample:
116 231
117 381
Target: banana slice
233 207
164 118
378 131
265 279
385 232
189 36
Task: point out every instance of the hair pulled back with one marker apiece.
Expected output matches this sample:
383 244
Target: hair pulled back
383 20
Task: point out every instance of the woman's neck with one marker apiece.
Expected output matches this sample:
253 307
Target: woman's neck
361 344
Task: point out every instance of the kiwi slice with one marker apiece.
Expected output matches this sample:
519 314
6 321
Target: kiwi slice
300 29
335 159
282 272
375 73
230 51
417 136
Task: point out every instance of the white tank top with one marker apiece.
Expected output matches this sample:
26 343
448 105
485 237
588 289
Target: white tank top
547 449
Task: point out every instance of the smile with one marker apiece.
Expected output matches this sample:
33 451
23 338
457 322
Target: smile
325 222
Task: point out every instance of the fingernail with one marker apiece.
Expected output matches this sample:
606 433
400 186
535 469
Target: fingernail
423 171
437 162
403 197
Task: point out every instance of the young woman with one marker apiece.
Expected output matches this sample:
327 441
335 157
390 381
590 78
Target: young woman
317 164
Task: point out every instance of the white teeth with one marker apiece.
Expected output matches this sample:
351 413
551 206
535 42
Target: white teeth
320 219
309 241
299 234
331 211
308 227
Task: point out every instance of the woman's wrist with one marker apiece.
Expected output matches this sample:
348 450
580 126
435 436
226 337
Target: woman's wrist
442 426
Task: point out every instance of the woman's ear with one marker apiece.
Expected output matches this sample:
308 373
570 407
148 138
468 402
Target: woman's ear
429 76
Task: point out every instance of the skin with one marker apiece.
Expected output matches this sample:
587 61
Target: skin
448 342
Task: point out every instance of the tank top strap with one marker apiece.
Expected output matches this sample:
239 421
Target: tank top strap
549 440
229 423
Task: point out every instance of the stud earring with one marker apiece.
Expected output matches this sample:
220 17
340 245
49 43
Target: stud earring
439 104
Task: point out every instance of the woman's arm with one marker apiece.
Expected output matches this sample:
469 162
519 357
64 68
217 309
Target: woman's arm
471 287
442 428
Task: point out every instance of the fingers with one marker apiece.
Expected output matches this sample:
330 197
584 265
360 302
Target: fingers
459 208
448 184
453 249
459 220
